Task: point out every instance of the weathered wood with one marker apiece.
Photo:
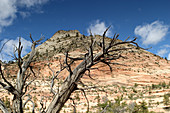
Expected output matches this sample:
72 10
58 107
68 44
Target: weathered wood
70 84
21 87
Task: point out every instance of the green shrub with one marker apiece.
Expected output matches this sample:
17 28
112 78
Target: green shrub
7 102
141 108
166 99
121 107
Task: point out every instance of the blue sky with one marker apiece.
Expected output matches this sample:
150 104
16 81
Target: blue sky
149 20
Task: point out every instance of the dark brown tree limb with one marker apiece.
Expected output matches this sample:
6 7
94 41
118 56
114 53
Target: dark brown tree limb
8 86
43 105
89 75
73 105
84 93
103 42
68 65
89 60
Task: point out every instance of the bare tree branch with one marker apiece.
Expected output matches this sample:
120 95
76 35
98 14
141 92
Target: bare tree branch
3 46
43 106
89 75
74 105
108 53
107 63
104 110
103 42
3 107
29 99
66 62
84 93
52 81
26 85
9 86
22 76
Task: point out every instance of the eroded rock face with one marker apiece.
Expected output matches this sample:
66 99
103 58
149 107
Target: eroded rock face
70 33
139 67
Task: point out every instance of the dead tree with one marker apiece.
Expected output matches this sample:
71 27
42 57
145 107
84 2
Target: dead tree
108 53
20 88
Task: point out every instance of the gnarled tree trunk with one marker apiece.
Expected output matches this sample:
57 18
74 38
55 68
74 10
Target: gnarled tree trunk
90 59
17 105
21 86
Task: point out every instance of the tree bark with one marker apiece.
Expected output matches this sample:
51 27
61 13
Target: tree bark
21 86
17 105
90 59
70 85
60 99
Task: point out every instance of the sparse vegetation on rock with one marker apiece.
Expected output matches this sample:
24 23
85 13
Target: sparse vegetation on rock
91 56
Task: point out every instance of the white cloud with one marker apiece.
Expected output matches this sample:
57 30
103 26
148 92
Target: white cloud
7 13
162 52
167 46
9 48
24 14
169 56
9 9
98 28
30 3
152 33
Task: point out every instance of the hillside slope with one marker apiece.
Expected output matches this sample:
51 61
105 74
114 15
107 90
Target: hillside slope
138 67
